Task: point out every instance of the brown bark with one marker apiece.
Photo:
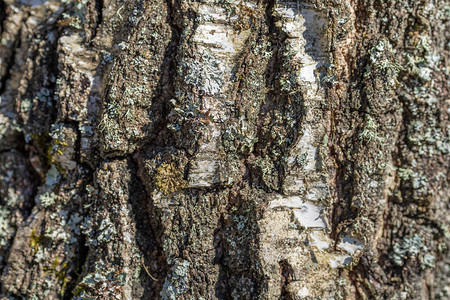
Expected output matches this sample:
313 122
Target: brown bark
224 149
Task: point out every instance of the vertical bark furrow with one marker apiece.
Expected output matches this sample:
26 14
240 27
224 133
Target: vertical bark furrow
11 41
385 82
16 193
294 228
99 18
209 81
130 112
218 149
9 129
3 15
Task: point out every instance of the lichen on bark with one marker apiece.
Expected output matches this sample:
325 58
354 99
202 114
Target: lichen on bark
222 149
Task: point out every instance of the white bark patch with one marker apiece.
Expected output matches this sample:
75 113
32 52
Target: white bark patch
308 214
304 292
203 169
294 227
293 201
216 36
305 28
202 172
320 240
220 44
72 43
350 245
339 261
210 12
305 151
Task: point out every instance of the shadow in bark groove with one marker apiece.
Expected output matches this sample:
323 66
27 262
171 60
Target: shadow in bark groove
168 74
223 290
154 267
277 136
3 15
287 274
29 149
11 61
237 245
99 8
82 255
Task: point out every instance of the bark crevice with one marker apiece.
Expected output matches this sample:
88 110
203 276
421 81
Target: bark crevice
12 58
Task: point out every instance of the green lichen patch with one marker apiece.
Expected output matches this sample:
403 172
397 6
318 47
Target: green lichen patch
60 272
369 132
37 241
163 169
412 247
169 179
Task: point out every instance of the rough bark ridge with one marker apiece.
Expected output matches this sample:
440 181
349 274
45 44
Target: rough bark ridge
222 149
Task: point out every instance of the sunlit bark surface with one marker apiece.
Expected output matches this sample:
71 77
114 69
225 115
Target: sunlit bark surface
224 149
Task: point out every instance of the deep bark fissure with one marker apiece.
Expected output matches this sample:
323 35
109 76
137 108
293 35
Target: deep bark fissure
344 166
165 93
220 233
76 276
277 38
146 238
25 210
53 71
99 9
12 59
3 15
166 84
286 275
223 289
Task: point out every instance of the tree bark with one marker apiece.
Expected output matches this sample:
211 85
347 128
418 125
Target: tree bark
222 149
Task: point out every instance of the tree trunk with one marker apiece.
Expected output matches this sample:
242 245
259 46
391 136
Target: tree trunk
222 149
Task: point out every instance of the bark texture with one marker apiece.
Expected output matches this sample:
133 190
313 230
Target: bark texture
221 149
